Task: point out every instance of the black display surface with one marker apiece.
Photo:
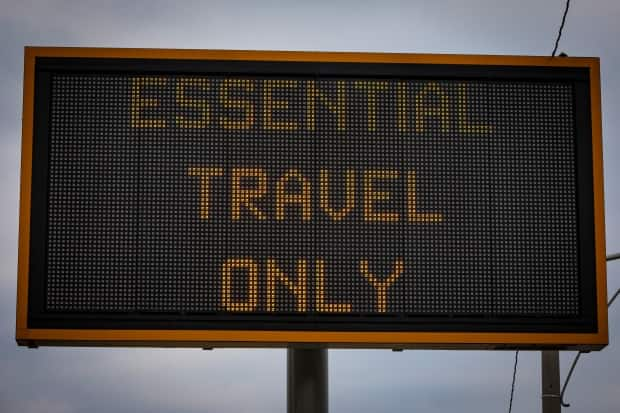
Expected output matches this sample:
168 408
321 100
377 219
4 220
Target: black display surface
305 196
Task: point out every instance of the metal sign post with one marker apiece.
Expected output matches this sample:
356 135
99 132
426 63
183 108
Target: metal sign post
551 381
307 379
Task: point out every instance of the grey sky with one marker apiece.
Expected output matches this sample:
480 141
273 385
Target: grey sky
66 380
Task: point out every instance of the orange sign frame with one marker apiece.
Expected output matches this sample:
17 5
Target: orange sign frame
349 339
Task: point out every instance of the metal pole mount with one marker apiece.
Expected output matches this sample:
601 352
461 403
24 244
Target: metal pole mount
307 380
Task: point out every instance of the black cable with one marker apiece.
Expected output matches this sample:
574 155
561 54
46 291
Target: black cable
613 298
514 376
611 257
557 41
570 373
575 360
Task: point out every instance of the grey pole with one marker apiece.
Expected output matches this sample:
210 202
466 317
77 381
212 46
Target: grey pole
306 386
551 381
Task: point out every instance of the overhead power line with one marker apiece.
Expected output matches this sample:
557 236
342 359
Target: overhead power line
514 376
557 40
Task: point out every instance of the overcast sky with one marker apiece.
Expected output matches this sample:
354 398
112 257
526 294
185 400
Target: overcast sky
68 380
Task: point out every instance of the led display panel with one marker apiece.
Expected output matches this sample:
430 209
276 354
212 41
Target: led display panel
207 198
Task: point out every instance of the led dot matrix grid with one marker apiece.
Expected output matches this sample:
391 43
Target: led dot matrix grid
494 167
